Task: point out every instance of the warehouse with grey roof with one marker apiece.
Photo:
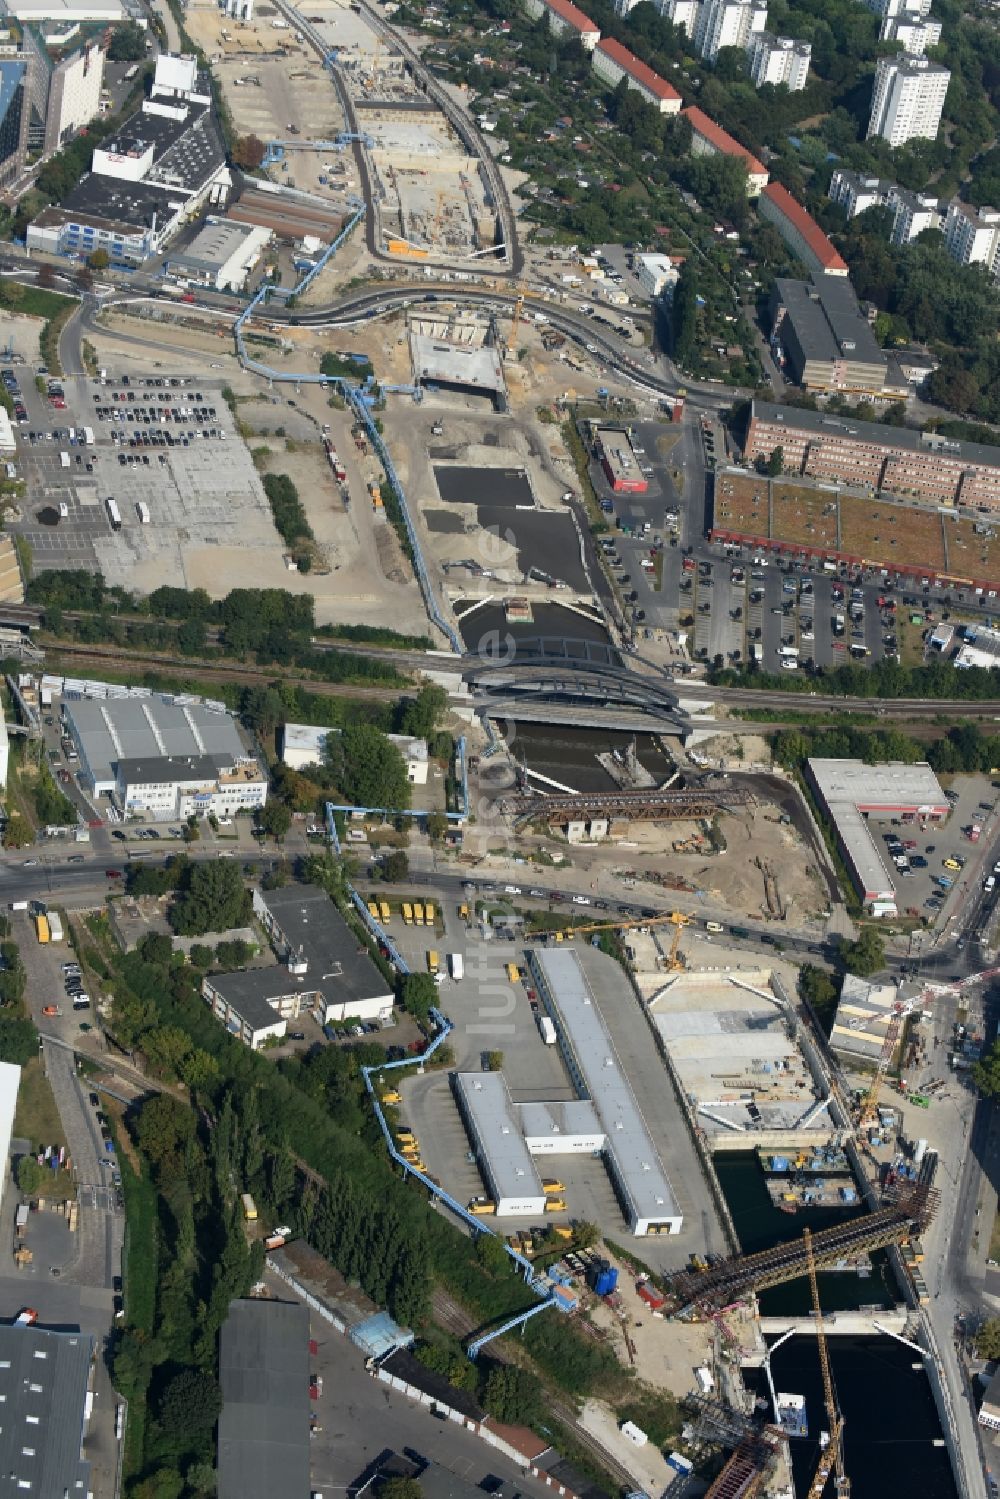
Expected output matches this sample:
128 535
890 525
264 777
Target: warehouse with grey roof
264 1434
44 1376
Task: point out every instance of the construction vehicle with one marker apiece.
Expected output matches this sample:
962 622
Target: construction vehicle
463 912
433 966
831 1457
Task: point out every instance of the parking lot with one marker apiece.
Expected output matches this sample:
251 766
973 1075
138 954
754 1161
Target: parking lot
162 449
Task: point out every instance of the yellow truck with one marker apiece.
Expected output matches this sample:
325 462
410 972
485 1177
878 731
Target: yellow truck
407 913
384 913
433 966
463 912
551 1187
429 915
482 1207
249 1208
555 1205
391 1097
405 1135
512 973
418 914
42 928
373 910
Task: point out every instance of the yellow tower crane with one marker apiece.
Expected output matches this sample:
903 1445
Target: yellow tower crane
831 1458
676 919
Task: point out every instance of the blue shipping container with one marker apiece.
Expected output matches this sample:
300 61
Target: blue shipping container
605 1280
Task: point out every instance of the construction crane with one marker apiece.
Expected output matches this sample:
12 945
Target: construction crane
901 1010
676 919
831 1457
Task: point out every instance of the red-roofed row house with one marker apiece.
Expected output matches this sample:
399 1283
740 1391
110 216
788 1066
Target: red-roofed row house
613 62
565 17
800 231
709 139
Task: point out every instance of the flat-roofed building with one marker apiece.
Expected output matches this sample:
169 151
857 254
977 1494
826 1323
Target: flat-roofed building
44 1378
856 192
923 466
907 99
633 1162
778 60
862 1018
620 465
850 793
264 1435
612 62
305 744
822 337
800 231
571 1128
221 255
709 139
494 1129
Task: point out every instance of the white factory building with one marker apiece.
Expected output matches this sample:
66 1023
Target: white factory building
851 794
161 758
907 99
305 744
505 1162
322 970
221 255
161 168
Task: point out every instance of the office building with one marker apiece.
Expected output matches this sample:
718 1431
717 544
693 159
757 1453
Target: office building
165 163
913 30
681 13
850 793
907 99
891 9
778 59
15 115
221 255
612 62
322 970
160 758
727 23
44 1378
565 19
709 139
820 336
972 236
921 466
800 231
264 1428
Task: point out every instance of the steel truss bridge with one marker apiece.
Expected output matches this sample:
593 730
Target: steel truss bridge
703 1292
640 805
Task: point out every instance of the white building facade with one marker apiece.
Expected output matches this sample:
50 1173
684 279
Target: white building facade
681 13
777 60
972 237
913 31
912 213
908 99
727 23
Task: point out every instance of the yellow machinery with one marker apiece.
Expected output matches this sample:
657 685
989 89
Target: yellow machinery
676 919
831 1458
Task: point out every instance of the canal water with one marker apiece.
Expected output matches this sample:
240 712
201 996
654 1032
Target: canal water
890 1419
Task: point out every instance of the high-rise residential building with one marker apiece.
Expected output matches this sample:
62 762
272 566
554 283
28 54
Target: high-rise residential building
908 99
855 193
15 115
912 213
727 23
913 30
972 237
683 13
778 59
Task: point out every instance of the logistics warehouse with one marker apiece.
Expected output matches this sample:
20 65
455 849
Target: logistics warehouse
604 1119
851 792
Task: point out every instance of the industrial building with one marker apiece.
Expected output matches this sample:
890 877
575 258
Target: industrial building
68 12
709 139
630 1155
44 1378
322 969
612 62
800 231
165 163
923 466
161 757
823 340
850 793
620 465
861 1022
735 1058
221 255
502 1153
264 1428
305 744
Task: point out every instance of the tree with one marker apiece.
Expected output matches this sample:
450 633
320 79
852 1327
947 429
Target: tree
215 900
513 1395
164 1130
820 989
436 824
776 462
399 1488
18 1041
865 956
491 1254
586 1234
395 866
248 152
29 1175
190 1403
274 818
369 769
46 280
421 715
99 260
494 1061
986 1072
128 43
685 314
988 1339
419 995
